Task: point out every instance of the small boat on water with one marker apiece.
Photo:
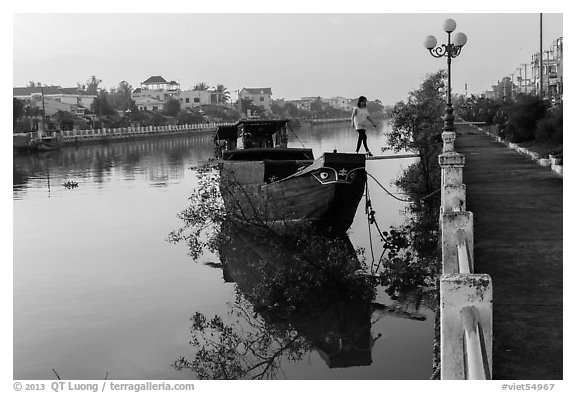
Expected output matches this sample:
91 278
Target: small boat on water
23 142
263 179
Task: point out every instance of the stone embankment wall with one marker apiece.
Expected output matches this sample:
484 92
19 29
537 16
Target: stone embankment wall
465 297
328 121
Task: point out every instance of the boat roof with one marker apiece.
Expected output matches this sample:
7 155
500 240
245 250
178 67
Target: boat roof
268 153
252 126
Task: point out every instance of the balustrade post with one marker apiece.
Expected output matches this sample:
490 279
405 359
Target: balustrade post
452 165
448 137
454 198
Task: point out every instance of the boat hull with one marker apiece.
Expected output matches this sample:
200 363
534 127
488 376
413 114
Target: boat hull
325 193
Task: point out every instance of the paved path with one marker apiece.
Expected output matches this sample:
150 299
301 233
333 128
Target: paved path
517 207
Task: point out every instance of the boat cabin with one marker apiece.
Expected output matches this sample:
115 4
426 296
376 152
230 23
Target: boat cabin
256 140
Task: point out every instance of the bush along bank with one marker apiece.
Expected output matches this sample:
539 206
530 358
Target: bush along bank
528 121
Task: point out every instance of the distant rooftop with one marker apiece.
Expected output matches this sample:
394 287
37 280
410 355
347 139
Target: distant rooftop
49 90
258 90
154 79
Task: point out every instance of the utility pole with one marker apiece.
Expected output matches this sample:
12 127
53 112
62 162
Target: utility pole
541 69
43 123
512 90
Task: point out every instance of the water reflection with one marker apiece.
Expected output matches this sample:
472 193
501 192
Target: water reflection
297 291
159 160
77 251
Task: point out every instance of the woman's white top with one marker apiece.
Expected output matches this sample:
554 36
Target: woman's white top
360 118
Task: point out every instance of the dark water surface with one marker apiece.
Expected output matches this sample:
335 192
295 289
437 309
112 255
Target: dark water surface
98 289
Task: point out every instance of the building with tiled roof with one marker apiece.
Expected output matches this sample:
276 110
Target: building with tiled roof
158 88
260 96
157 79
70 99
147 103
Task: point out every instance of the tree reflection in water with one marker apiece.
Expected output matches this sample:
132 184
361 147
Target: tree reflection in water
297 290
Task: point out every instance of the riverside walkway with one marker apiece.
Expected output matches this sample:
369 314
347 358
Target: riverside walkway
518 211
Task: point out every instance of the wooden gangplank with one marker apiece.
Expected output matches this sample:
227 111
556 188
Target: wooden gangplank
392 157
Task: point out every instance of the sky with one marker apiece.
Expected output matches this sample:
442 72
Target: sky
376 54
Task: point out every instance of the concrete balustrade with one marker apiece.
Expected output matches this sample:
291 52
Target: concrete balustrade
103 134
458 293
463 255
476 367
452 222
465 297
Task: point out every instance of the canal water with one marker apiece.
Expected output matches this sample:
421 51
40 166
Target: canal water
99 290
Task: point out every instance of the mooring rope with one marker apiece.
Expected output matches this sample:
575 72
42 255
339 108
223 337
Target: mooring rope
370 213
384 188
296 135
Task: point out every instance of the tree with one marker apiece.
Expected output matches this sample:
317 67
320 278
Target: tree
18 110
417 127
375 107
185 117
291 110
100 105
248 105
122 96
172 107
92 85
222 93
317 106
202 86
523 117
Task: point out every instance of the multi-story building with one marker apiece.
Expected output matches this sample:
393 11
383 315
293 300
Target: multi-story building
504 89
261 96
157 87
70 99
552 82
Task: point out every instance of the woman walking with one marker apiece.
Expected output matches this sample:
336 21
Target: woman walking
360 120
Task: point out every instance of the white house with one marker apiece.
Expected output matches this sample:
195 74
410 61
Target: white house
71 98
261 96
194 98
157 87
148 103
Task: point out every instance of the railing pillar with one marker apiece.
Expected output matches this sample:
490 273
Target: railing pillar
452 165
457 292
453 198
448 137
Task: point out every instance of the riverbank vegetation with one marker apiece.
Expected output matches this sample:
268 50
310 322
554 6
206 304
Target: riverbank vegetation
417 127
528 120
115 108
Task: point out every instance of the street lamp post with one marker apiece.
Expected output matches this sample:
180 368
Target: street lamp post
450 51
